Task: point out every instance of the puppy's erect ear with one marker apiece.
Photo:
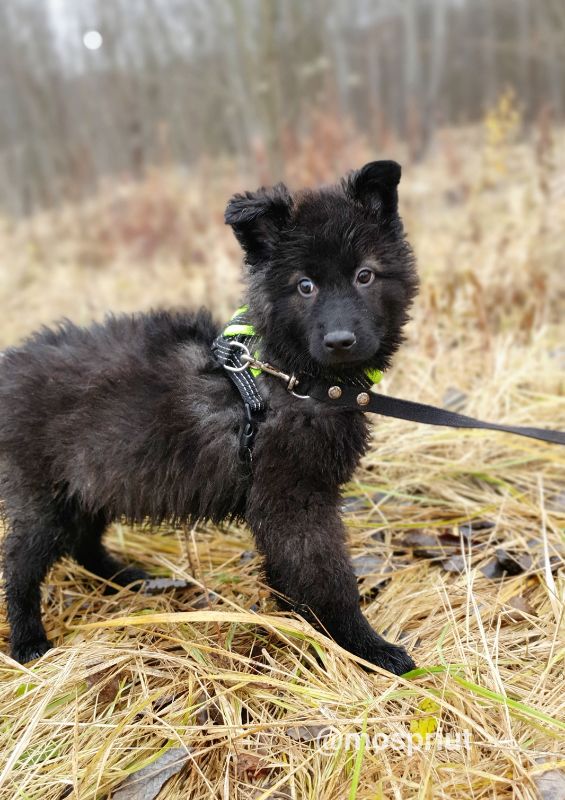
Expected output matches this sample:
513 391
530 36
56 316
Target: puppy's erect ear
257 219
375 185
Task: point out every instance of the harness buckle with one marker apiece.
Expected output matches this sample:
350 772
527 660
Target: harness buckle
247 437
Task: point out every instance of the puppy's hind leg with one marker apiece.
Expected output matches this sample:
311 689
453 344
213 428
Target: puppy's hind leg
89 551
31 547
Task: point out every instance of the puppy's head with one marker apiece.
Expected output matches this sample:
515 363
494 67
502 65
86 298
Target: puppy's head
331 275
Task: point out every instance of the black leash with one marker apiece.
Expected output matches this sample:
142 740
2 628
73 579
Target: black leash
349 398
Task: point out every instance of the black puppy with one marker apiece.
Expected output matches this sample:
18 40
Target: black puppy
136 419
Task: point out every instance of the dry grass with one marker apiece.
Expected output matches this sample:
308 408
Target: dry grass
133 675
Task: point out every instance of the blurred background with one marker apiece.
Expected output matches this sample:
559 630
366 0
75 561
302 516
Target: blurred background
126 124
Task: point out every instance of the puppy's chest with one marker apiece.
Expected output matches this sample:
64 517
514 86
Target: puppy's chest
309 439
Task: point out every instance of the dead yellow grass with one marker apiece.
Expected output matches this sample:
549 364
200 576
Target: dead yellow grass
261 703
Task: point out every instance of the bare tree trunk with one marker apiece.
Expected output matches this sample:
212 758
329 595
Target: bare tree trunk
243 78
335 24
524 46
374 97
554 57
412 96
489 53
435 74
269 88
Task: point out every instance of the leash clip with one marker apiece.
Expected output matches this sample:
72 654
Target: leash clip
250 361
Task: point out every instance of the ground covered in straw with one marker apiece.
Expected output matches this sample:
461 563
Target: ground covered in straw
457 537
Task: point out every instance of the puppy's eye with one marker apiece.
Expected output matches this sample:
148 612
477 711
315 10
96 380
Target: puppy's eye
306 287
365 276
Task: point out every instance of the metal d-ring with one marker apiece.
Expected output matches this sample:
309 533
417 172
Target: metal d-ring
245 352
250 361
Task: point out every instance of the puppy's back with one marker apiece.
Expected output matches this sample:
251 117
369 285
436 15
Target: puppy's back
62 380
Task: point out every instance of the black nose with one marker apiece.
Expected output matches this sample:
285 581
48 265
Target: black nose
339 340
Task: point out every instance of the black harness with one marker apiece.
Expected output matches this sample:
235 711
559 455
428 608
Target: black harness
235 341
236 349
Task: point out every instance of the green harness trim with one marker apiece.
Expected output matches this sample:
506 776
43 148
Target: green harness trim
237 327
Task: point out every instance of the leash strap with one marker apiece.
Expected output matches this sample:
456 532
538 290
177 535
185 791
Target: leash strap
348 398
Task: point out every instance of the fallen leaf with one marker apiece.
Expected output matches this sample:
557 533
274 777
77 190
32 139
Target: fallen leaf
449 538
551 784
163 702
251 766
483 525
380 497
493 569
209 713
454 564
353 503
367 565
308 733
556 562
519 606
505 563
205 600
426 545
513 563
476 525
107 684
556 503
277 795
146 783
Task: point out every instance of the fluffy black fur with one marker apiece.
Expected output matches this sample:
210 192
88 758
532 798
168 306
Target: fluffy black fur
135 419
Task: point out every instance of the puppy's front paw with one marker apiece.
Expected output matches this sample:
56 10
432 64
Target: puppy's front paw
391 657
29 651
130 575
133 577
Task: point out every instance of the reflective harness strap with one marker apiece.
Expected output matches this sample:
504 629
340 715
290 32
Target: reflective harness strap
230 358
229 355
